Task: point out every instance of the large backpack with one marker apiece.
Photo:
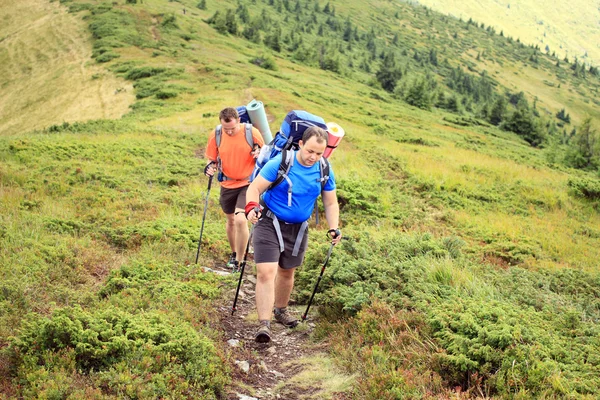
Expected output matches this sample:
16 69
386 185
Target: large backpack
285 142
243 114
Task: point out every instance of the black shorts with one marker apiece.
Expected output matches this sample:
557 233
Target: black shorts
231 199
266 243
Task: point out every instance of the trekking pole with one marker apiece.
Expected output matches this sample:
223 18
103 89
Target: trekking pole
203 218
317 212
318 281
237 292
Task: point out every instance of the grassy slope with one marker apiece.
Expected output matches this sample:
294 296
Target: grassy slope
569 30
46 73
128 196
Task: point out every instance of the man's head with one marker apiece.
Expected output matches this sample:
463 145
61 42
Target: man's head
312 145
229 120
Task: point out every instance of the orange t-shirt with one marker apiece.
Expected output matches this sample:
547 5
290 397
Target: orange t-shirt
237 161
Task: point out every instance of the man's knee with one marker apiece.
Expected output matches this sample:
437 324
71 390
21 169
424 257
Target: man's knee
266 273
240 220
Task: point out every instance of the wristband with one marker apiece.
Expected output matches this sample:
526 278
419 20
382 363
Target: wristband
250 206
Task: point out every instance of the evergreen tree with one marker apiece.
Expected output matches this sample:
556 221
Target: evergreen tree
587 146
389 73
418 94
252 31
523 123
217 21
202 5
273 40
231 22
243 13
348 32
498 111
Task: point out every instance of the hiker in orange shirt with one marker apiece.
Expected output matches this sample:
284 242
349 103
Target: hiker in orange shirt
232 149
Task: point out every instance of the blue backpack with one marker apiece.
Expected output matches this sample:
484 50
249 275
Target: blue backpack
285 142
243 114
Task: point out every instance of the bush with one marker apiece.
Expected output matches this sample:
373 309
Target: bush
107 56
585 188
118 348
265 62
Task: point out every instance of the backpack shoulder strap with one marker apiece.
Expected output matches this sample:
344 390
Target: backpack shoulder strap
249 138
324 167
247 132
218 135
284 167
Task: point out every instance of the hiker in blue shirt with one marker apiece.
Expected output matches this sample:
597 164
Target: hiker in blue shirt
281 232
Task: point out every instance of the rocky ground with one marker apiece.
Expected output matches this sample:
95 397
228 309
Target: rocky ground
271 370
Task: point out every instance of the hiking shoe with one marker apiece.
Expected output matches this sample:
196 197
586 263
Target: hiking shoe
285 318
232 261
235 268
263 335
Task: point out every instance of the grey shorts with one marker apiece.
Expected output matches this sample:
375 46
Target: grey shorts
231 199
266 244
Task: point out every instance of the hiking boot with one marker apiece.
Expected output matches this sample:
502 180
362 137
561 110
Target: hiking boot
235 268
285 318
232 261
263 335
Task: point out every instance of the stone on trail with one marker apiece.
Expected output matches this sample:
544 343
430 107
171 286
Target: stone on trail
244 365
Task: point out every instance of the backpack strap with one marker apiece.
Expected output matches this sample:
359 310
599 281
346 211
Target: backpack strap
249 138
277 226
218 135
218 138
324 168
247 132
287 160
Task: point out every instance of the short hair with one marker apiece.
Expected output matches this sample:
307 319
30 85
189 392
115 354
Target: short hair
314 131
228 114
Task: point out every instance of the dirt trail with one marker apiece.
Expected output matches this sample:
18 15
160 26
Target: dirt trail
289 367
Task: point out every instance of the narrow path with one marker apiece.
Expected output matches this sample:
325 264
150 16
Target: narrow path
290 367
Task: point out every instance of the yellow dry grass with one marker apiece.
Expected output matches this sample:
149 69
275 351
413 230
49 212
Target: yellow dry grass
47 75
569 28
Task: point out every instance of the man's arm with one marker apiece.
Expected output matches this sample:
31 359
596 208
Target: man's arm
256 188
332 212
211 154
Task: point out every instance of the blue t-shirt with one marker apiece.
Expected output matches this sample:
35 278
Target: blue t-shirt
306 188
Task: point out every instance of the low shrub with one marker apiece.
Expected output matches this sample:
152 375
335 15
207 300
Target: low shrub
145 353
585 187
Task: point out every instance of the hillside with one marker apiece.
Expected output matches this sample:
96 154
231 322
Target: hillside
46 72
469 207
569 30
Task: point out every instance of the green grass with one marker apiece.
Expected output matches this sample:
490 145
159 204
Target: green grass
470 261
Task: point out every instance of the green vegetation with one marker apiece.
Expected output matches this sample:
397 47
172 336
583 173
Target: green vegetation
471 211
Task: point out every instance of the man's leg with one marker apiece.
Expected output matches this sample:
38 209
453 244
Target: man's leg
230 229
265 289
284 283
240 234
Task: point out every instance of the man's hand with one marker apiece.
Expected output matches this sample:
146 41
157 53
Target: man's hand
255 151
210 169
253 211
335 234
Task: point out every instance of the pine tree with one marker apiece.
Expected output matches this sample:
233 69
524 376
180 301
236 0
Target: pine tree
585 152
498 111
389 73
231 22
202 5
